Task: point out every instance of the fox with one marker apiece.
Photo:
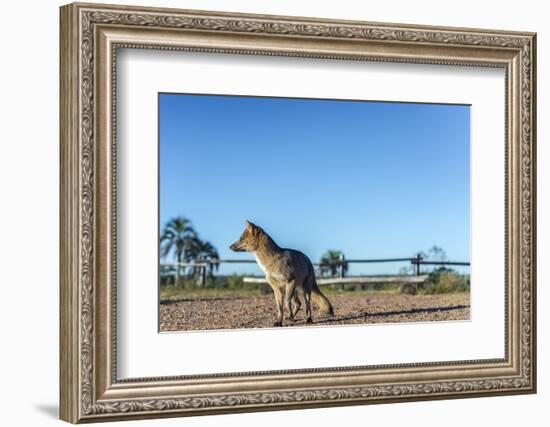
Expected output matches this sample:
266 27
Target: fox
286 271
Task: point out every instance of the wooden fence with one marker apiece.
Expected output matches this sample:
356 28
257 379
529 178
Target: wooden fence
400 280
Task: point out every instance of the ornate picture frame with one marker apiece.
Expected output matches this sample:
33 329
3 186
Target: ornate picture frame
90 37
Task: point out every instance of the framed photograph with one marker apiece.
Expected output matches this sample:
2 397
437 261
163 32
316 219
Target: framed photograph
267 212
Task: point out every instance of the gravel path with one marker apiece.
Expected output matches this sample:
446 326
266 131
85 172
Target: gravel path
259 312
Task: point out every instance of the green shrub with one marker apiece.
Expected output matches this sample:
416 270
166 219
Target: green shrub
445 280
409 289
235 281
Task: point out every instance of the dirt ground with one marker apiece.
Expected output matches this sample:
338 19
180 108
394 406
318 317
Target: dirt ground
349 308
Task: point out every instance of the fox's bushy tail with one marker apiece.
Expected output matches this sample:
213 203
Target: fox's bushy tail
321 300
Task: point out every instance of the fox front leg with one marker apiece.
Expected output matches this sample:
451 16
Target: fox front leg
279 305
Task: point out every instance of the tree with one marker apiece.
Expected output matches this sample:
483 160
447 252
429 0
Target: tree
200 251
331 263
436 253
176 239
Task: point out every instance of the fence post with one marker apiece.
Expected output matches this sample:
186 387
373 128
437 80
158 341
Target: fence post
417 261
342 269
202 276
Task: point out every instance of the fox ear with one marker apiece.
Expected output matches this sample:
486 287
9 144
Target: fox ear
249 224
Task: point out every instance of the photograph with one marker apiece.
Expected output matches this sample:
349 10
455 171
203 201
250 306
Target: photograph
346 208
299 212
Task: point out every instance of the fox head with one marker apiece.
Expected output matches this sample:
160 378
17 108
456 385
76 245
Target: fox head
249 240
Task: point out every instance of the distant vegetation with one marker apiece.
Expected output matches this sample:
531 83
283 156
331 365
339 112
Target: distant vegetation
180 241
233 281
215 286
441 279
330 264
445 280
435 253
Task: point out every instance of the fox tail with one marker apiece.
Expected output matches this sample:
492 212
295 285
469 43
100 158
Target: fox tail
321 300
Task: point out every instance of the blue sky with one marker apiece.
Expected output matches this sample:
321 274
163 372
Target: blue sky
373 179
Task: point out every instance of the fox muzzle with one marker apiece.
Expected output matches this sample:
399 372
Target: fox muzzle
235 247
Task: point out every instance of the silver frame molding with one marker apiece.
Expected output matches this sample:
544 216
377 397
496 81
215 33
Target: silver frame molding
90 37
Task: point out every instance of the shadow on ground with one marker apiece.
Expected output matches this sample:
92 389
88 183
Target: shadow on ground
412 311
175 301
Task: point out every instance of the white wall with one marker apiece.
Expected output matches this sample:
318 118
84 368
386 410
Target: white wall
29 170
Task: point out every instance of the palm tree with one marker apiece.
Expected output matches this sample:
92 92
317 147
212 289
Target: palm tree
200 251
176 238
166 274
331 263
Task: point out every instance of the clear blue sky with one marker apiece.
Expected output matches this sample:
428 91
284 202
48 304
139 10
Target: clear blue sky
373 179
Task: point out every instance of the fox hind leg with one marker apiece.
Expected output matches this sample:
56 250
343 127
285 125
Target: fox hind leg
296 304
290 295
307 299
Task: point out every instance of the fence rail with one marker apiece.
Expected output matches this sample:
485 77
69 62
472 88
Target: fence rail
413 260
355 280
341 264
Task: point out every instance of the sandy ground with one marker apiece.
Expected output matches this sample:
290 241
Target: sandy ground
259 311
